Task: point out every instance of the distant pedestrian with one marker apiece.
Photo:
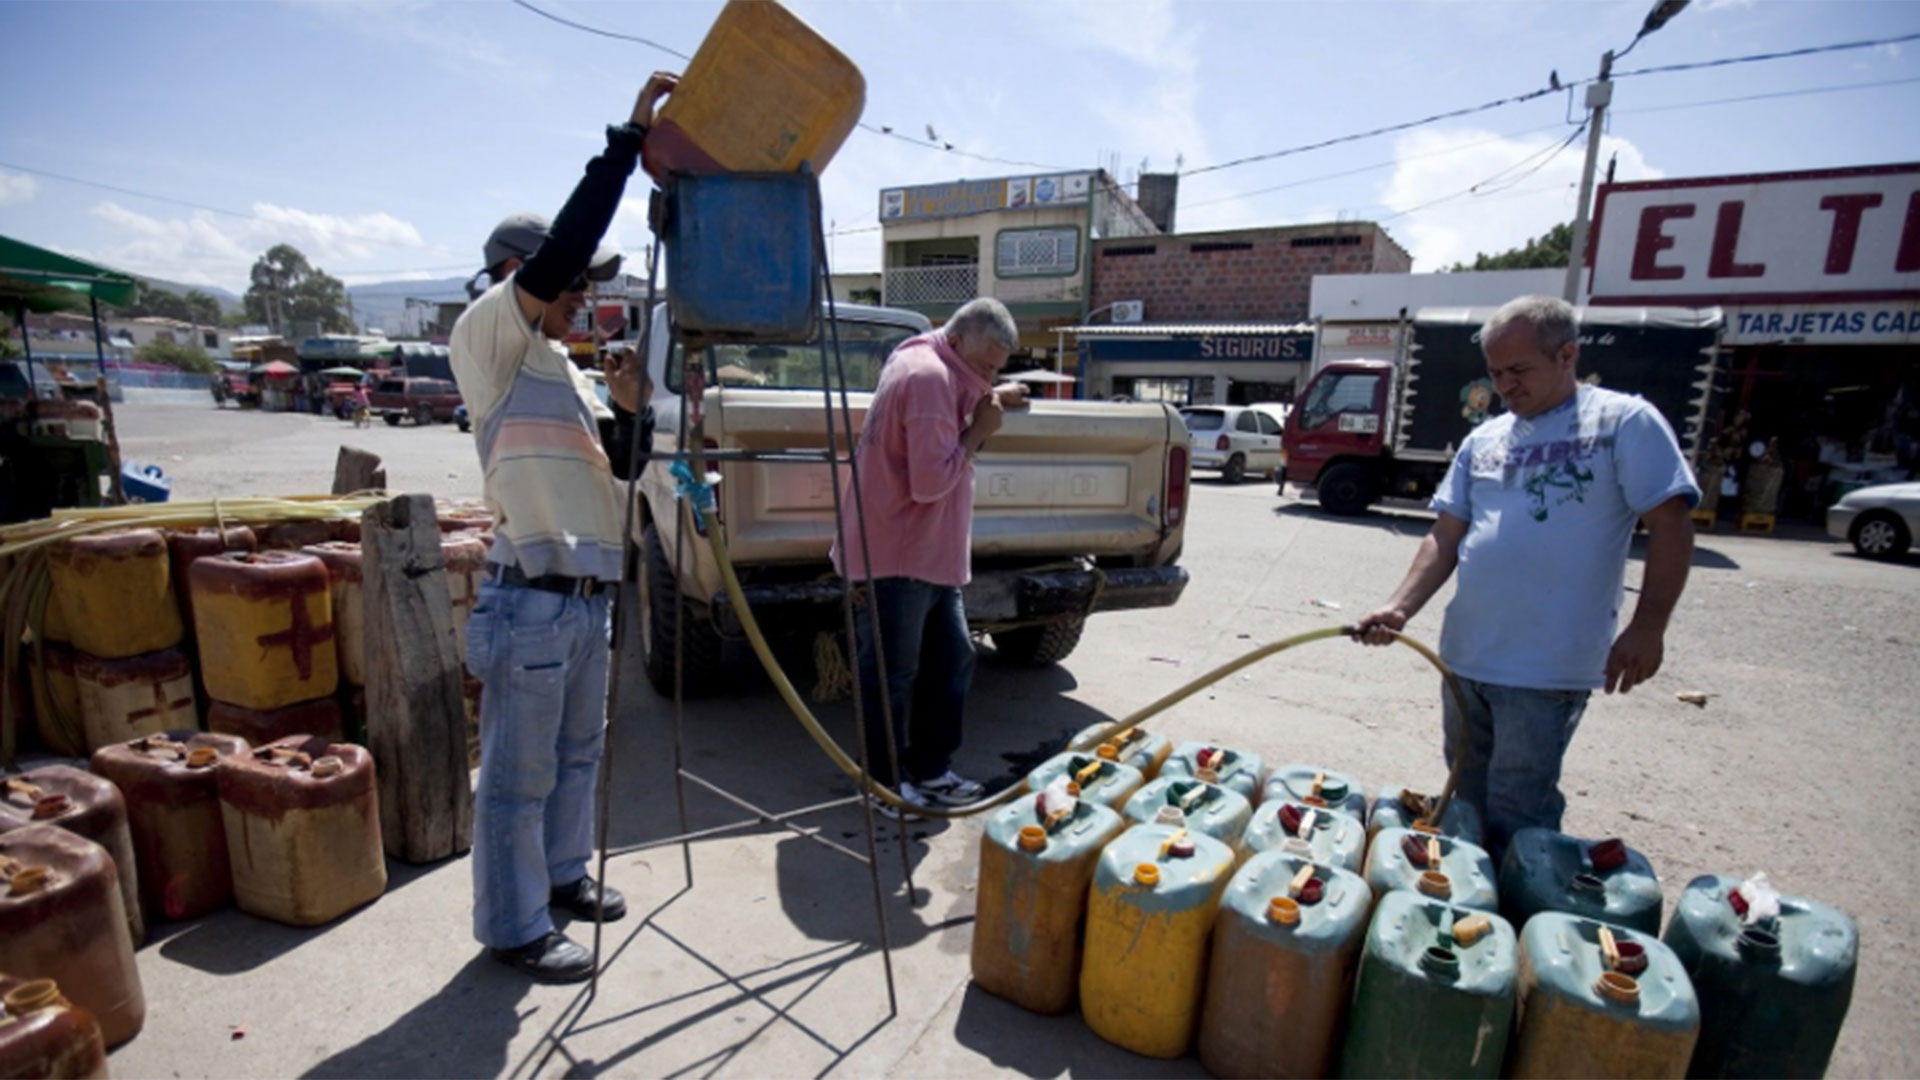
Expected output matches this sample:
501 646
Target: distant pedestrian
933 411
1537 513
362 405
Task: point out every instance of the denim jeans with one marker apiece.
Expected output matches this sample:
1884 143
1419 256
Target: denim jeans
543 659
929 668
1513 740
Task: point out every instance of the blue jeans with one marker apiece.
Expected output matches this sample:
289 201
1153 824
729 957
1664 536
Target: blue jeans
929 668
543 659
1513 740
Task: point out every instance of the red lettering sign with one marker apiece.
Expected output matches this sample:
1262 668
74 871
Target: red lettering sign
1847 210
1908 258
1653 240
1726 237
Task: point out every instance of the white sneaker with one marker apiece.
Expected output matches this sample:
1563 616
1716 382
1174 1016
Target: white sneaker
892 813
950 789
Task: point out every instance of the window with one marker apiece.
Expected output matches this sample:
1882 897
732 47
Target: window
1268 425
1204 419
1220 245
864 347
1350 392
1246 424
209 340
1131 249
1037 252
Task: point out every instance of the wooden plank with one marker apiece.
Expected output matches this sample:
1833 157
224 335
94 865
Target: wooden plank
357 470
416 724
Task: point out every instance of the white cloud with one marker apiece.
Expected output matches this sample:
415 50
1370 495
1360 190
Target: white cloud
17 187
1157 37
443 33
209 249
1524 190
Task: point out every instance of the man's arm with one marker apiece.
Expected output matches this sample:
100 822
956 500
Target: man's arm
938 451
1639 649
1432 565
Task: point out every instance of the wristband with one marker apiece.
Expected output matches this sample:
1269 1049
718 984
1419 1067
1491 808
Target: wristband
617 133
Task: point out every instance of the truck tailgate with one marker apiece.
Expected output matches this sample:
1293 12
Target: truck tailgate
1060 477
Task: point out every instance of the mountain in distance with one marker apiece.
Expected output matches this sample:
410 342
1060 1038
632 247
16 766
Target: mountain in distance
382 305
228 301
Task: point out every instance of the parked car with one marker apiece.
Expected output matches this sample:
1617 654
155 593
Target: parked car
1879 521
1236 439
422 400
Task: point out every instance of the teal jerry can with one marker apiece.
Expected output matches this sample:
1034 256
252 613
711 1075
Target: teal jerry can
1400 808
1236 770
1035 869
1135 746
1108 783
1284 949
1404 859
1773 993
1606 880
1316 786
1435 993
1582 1012
1205 808
1328 837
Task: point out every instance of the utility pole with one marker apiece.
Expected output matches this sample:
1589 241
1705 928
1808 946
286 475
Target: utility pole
1599 96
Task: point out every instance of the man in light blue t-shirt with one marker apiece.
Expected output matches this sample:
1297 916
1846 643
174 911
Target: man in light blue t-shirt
1536 513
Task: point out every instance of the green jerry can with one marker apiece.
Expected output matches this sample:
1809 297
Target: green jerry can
1200 806
1108 783
1435 993
1405 808
1773 991
1238 771
1435 866
1135 746
1317 786
1606 880
1035 869
1600 1000
1149 914
1328 837
1284 947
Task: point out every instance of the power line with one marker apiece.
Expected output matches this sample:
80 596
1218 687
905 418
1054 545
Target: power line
603 33
1769 96
1810 50
1550 153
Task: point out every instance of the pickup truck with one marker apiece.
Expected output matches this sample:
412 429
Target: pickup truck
1079 507
424 400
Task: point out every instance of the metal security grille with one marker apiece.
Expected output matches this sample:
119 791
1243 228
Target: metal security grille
1038 251
932 284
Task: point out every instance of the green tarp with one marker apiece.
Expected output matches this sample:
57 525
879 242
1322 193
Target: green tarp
48 281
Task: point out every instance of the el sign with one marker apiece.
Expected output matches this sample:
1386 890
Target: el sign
1777 238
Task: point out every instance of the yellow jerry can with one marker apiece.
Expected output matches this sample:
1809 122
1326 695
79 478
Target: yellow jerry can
115 593
266 630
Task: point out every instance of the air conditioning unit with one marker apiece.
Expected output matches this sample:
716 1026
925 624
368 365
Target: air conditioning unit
1129 311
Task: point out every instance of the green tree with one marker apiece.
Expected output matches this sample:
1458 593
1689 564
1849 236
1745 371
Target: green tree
202 309
1553 249
175 355
286 290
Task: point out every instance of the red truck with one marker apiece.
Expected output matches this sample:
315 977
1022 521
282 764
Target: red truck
1363 430
423 400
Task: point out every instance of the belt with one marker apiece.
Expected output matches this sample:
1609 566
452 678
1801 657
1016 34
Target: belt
584 587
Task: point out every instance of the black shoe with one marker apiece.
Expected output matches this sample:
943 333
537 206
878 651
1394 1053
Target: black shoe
583 897
552 959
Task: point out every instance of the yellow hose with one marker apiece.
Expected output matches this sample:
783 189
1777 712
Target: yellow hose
1166 701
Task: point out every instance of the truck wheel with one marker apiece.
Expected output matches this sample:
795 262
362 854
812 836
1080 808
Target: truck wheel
1033 646
392 419
423 415
1347 490
658 593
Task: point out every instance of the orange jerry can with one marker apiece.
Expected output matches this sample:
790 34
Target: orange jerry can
302 819
133 696
43 1035
322 718
763 93
184 546
85 805
343 564
265 625
173 812
115 593
61 918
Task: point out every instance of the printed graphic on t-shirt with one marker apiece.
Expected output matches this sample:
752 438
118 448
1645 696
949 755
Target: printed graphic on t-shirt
1552 473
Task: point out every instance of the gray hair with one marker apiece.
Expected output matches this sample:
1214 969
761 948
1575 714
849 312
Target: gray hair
984 316
1553 320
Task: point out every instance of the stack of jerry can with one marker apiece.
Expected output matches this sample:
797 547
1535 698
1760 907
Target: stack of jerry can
268 645
115 599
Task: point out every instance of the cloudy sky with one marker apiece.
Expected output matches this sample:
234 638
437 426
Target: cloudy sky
384 139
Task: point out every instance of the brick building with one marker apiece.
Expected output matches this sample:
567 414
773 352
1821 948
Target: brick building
1195 291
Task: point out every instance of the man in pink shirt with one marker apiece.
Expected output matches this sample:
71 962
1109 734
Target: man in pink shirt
934 409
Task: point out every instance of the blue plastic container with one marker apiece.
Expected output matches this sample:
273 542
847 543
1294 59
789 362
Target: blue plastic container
1580 1015
1460 820
145 483
1328 837
1548 871
1108 783
1205 808
740 256
1402 859
1435 992
1318 786
1233 769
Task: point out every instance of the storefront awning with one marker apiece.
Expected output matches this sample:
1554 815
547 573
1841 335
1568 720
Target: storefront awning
45 280
1149 330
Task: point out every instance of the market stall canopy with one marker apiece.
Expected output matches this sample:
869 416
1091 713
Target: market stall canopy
49 281
342 372
277 368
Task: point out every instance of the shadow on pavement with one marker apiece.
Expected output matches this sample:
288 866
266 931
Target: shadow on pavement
1410 521
230 941
463 1030
1034 1045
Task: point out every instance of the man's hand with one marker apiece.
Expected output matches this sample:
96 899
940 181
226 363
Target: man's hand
1373 627
987 418
627 382
1635 658
1012 395
658 86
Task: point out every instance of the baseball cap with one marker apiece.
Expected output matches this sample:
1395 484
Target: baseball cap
522 234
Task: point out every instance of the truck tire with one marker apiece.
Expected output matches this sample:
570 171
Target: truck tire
392 419
659 594
1035 646
423 415
1235 470
1347 489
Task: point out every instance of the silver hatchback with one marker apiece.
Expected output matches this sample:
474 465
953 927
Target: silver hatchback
1238 440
